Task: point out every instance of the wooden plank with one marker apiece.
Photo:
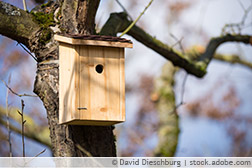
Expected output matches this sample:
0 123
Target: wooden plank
112 63
84 83
122 85
98 102
92 42
75 111
67 82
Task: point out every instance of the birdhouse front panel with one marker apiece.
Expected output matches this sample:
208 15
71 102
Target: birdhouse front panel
91 81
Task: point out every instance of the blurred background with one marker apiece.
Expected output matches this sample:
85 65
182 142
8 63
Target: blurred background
216 116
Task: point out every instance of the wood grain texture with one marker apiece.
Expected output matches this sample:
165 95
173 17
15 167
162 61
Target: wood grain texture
87 96
92 42
122 85
68 82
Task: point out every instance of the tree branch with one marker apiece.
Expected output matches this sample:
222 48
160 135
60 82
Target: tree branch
233 59
135 21
168 130
216 42
117 22
32 130
17 24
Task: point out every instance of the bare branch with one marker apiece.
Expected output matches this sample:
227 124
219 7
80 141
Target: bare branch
135 21
33 131
28 52
178 42
24 4
8 120
124 9
183 89
240 25
233 59
83 150
118 22
17 24
22 124
40 153
13 92
216 42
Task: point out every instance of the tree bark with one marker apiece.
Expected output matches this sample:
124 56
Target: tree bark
97 140
79 16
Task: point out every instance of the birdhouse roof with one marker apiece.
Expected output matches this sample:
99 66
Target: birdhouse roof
95 40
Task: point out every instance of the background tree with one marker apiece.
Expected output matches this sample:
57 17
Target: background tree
36 29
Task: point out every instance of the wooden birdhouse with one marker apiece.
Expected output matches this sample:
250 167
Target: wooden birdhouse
91 79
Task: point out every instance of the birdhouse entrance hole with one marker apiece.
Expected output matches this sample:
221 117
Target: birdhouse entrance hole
99 68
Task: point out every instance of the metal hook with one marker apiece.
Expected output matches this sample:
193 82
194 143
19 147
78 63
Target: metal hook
82 108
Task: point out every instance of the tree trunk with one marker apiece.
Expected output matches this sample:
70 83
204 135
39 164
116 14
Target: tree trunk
78 18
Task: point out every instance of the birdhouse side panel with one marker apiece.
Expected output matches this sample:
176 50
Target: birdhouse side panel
122 84
68 83
114 85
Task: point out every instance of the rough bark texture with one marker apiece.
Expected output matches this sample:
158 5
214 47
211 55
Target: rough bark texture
79 16
17 24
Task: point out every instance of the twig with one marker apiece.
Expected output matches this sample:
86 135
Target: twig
31 133
15 93
133 23
182 95
22 123
242 5
84 150
88 154
34 157
183 89
40 153
24 4
8 120
241 25
233 59
124 9
28 52
178 42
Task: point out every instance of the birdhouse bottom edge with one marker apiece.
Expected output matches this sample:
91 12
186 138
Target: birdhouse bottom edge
92 122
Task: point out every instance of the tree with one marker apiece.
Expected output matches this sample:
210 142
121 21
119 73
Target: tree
35 30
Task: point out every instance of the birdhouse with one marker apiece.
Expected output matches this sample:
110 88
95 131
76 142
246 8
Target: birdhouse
91 79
